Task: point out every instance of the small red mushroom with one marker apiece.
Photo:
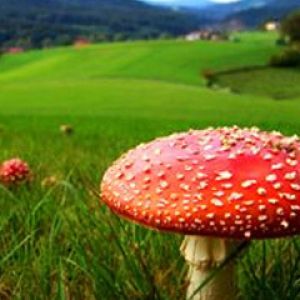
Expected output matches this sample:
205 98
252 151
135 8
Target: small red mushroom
219 187
14 172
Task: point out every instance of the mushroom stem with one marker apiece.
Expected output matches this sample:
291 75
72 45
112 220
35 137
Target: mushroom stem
203 256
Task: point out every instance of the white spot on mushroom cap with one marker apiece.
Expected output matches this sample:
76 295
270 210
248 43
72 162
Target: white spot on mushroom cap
235 196
261 191
277 186
268 156
209 157
224 175
285 224
247 234
248 183
273 201
291 175
271 178
217 202
295 186
277 166
291 162
180 176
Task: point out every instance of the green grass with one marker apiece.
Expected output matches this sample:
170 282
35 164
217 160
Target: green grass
277 83
60 242
175 61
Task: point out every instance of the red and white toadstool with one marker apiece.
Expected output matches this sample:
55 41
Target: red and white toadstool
14 172
218 187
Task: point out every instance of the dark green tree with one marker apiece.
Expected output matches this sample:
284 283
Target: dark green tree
291 27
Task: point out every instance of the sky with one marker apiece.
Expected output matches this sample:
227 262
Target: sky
224 1
188 2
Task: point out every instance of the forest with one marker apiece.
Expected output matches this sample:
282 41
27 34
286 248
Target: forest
39 24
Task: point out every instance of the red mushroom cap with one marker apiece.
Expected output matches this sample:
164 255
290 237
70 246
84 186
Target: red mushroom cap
225 182
14 171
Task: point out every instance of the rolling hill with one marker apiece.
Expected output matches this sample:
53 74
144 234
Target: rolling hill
257 15
95 78
250 13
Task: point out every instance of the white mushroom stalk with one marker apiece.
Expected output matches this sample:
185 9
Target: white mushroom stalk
210 277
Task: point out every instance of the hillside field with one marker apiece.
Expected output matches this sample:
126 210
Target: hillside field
59 242
264 82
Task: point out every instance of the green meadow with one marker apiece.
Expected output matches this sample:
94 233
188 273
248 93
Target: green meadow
58 241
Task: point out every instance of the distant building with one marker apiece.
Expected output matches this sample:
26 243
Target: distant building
193 36
272 26
234 25
15 50
206 35
81 42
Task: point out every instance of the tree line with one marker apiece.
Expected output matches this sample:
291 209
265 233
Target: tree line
38 24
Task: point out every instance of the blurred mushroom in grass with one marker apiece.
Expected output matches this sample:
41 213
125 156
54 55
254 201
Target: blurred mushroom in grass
66 129
50 181
14 172
1 128
220 188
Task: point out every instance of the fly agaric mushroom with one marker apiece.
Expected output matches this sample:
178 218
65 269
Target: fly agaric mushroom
14 172
218 187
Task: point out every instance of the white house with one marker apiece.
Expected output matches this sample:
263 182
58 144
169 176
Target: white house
205 35
272 26
193 36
